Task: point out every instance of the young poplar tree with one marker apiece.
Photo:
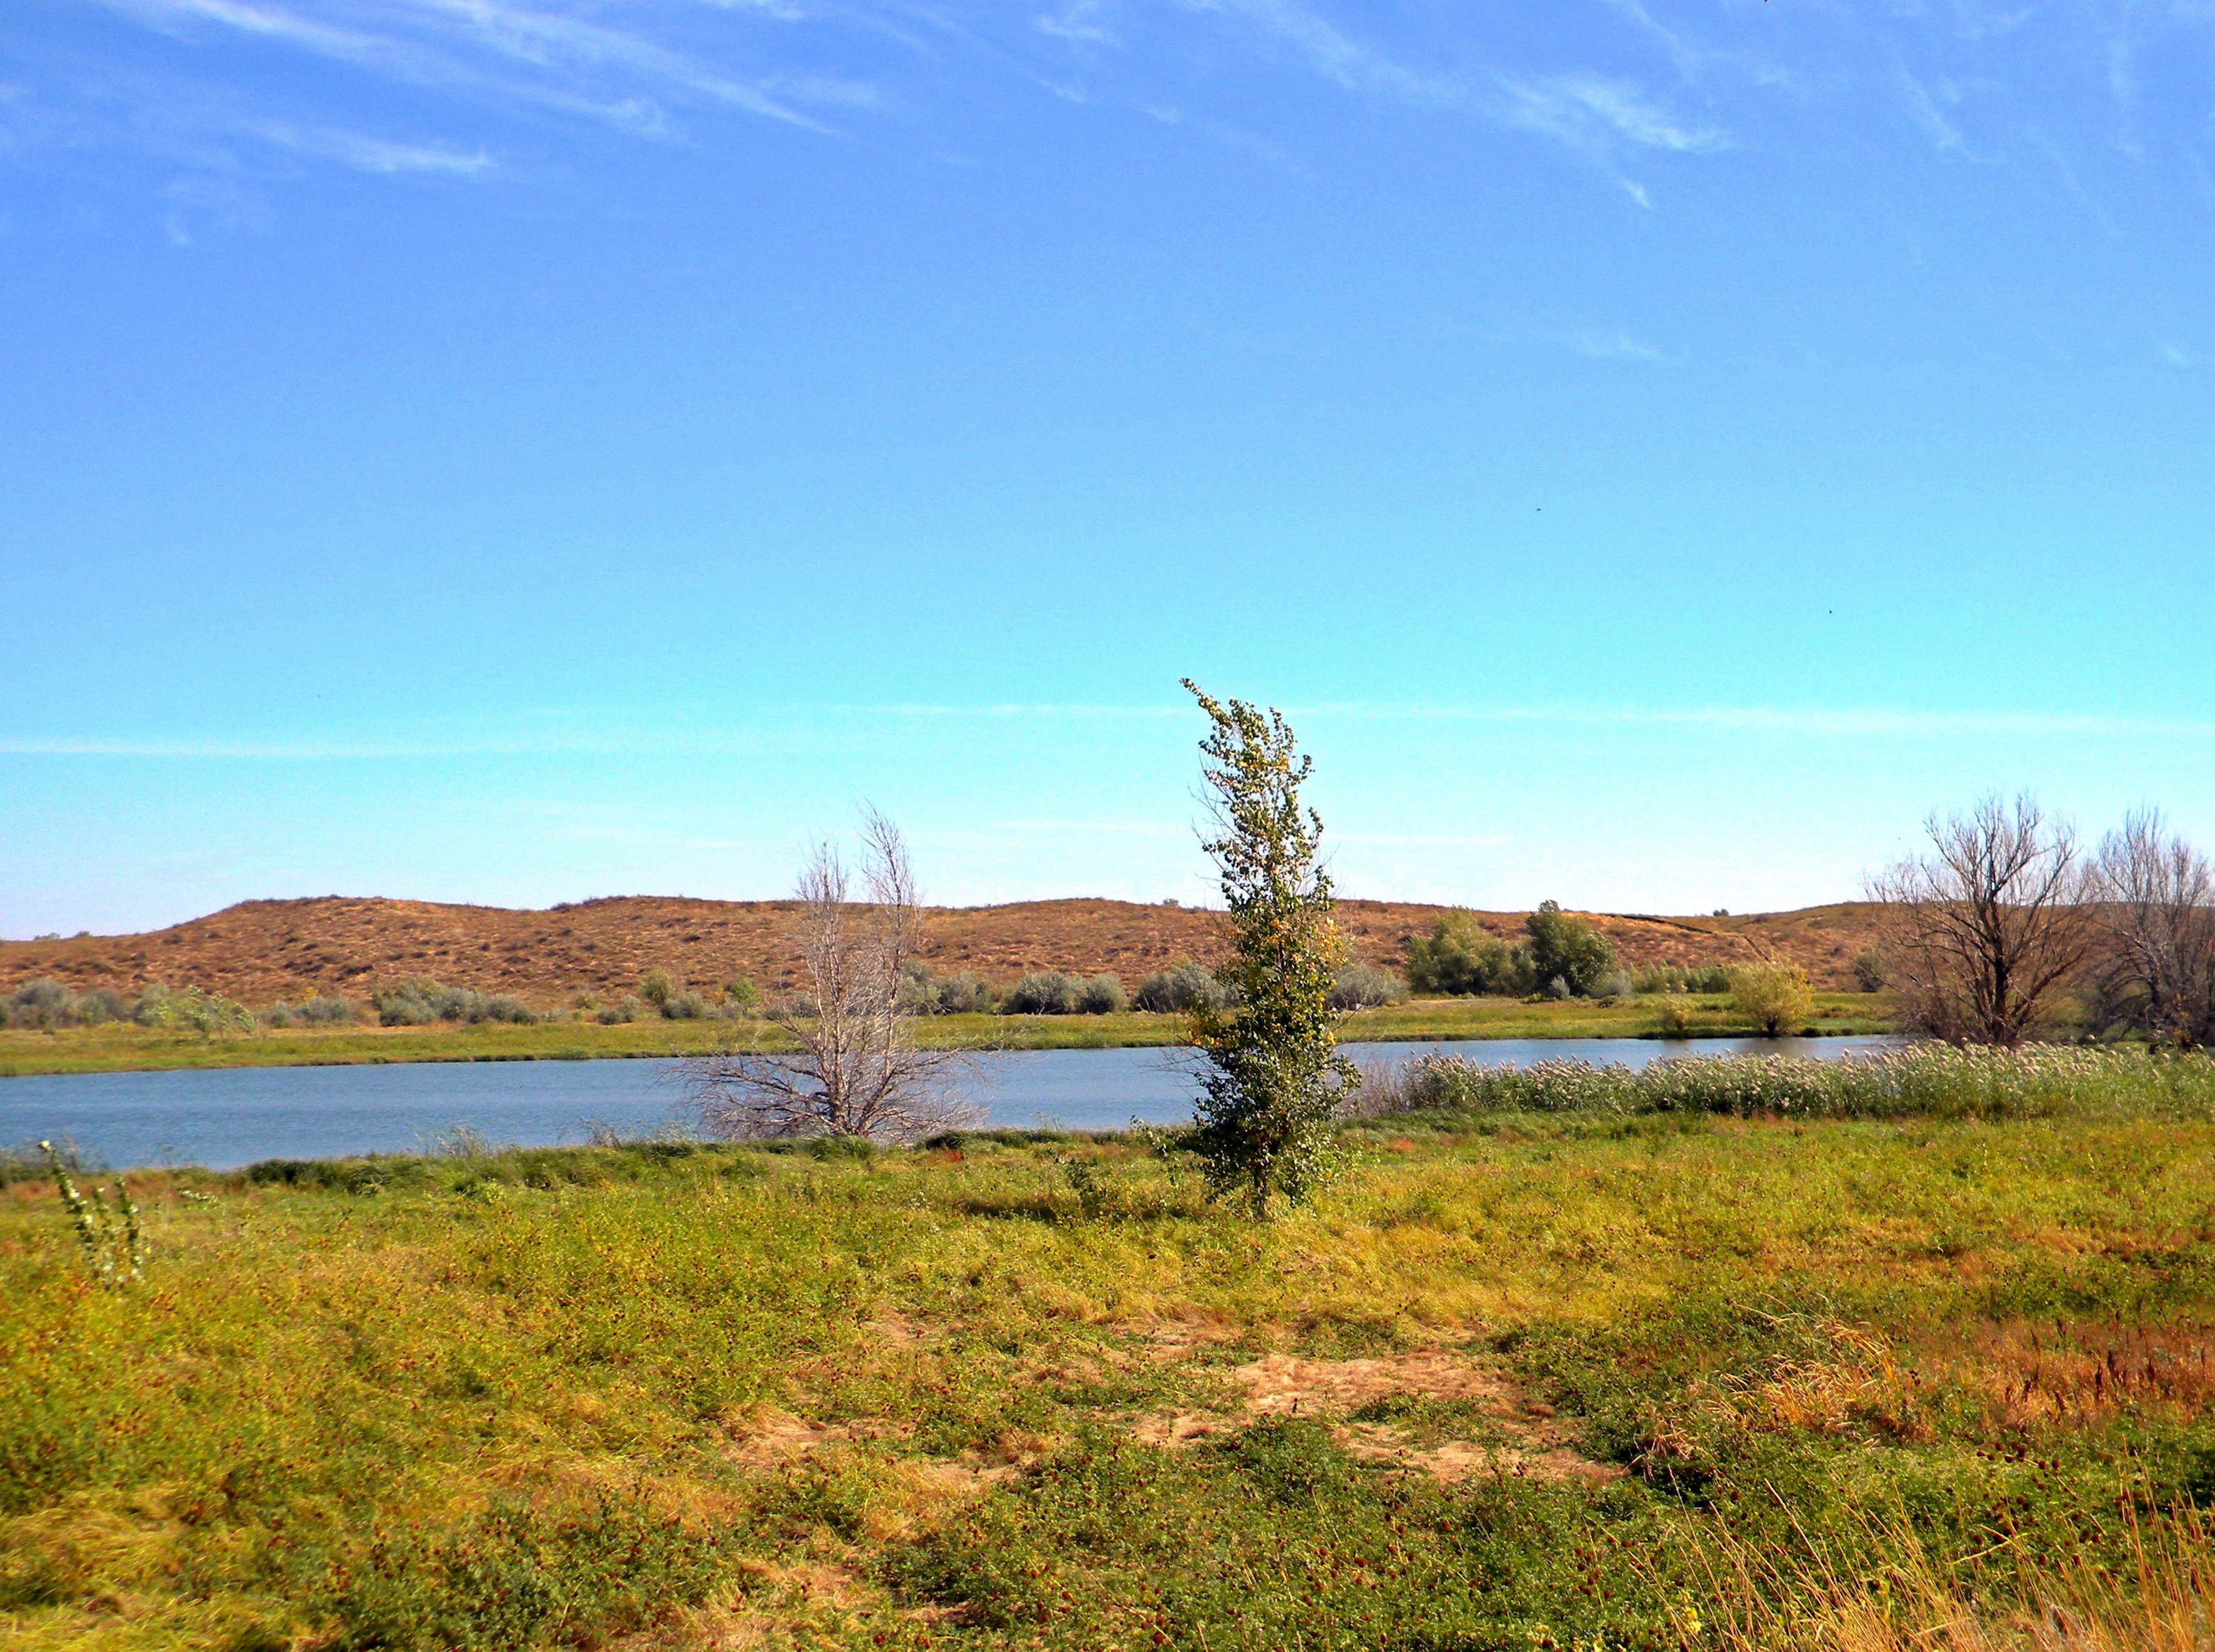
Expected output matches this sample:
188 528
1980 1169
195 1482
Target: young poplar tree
1275 1079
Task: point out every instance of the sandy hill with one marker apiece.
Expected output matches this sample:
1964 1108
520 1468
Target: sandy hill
261 950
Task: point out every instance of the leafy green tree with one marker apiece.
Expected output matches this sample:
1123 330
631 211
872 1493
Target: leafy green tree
1276 1080
1461 957
1568 949
1774 997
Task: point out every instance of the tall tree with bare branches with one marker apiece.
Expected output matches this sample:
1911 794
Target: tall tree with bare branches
854 1069
2154 973
1984 931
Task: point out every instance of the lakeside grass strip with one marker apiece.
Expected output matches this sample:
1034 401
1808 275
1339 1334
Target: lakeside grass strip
116 1049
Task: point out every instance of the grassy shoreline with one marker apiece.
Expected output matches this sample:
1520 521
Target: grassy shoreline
121 1048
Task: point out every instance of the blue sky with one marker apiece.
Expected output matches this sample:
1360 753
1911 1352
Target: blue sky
473 450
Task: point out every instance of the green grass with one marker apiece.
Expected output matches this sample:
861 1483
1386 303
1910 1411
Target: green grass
677 1396
127 1048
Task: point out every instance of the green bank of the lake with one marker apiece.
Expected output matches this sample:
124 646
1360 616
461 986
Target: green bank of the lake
1564 1376
123 1049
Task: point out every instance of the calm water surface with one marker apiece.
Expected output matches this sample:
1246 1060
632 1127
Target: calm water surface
235 1116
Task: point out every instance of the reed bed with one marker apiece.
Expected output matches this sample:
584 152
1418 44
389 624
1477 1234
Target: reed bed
1921 1081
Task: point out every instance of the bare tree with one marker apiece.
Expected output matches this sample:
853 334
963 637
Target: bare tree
1982 931
854 1070
2154 973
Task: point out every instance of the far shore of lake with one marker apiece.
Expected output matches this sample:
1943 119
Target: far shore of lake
122 1048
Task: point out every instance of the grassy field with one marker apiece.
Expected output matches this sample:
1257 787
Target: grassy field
1522 1379
127 1048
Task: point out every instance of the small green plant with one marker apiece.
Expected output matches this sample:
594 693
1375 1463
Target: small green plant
1094 1194
1869 969
115 1243
742 996
657 988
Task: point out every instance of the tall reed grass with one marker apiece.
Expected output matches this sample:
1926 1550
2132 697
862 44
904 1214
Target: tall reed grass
1930 1081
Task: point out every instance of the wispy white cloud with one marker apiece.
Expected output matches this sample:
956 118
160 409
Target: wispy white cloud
1393 841
1597 115
1858 723
1336 55
367 154
1844 721
1924 108
1599 344
1081 22
508 52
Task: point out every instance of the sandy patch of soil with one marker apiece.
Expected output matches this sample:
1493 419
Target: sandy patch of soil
1528 1438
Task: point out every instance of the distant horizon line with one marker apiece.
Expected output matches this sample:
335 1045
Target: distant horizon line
1174 904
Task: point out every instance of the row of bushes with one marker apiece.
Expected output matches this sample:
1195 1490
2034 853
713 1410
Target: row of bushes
1184 986
46 1003
422 1001
1561 956
1924 1080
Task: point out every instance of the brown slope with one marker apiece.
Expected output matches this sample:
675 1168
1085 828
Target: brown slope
261 950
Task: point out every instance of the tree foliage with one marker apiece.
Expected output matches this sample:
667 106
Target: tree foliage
1774 997
1461 957
1568 949
1274 1079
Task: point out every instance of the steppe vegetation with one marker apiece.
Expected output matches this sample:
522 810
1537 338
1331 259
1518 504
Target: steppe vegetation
1699 1363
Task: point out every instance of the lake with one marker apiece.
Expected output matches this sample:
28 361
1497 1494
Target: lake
229 1117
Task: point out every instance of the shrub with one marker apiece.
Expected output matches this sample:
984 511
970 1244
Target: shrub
1869 969
322 1011
101 1004
684 1006
1183 986
1617 984
420 1002
1682 978
1052 992
628 1007
656 988
1774 997
38 1004
1362 987
200 1012
1462 958
922 993
964 994
1568 949
48 1003
1102 995
742 996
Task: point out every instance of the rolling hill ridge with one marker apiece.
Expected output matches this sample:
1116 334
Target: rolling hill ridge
259 952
